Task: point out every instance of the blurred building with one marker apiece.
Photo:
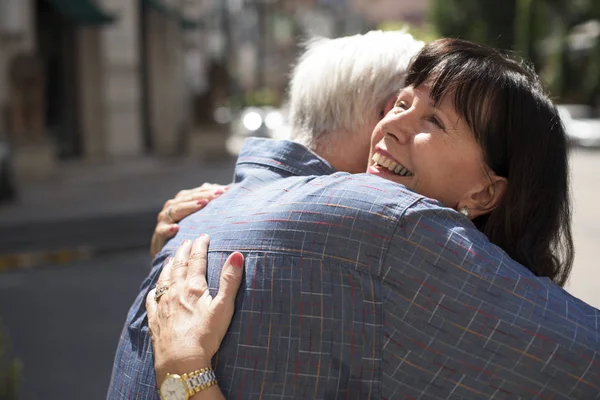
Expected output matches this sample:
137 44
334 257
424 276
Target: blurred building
92 79
105 80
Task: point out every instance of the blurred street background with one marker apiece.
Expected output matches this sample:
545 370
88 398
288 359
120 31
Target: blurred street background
109 107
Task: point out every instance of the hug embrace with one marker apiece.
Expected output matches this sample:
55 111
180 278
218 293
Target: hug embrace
410 242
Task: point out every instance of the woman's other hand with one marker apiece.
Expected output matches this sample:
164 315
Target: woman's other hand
186 323
186 202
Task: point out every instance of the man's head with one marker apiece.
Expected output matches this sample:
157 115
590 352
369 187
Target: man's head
342 87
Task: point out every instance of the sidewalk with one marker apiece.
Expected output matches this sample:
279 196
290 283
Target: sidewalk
90 209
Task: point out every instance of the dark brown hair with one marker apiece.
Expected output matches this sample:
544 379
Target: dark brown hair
523 140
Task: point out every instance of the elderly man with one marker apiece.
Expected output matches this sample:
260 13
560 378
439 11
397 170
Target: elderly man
339 90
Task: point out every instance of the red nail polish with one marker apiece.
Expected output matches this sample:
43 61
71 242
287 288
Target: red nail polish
219 192
237 260
202 202
173 229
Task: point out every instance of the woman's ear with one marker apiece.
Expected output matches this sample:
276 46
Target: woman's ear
488 198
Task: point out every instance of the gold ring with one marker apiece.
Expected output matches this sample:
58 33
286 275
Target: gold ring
169 214
160 291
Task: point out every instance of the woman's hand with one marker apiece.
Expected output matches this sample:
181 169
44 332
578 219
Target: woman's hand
186 324
185 203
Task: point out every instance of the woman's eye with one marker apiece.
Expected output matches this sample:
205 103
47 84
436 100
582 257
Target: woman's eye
433 119
402 104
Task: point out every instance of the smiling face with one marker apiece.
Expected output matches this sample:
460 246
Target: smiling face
432 151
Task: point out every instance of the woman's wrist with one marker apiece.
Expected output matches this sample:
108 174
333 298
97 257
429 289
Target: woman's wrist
180 368
187 367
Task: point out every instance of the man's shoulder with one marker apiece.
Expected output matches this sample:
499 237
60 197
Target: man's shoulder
282 157
361 193
336 217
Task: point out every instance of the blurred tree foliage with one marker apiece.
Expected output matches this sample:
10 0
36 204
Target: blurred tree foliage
549 33
426 32
487 22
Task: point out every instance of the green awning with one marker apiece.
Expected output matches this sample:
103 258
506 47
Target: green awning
82 12
172 13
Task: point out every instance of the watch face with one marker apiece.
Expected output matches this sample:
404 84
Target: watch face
173 388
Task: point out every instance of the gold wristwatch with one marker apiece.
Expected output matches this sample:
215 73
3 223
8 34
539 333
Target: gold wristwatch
182 387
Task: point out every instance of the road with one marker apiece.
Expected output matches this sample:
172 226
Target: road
65 321
585 182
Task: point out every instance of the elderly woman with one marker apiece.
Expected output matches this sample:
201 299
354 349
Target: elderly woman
473 130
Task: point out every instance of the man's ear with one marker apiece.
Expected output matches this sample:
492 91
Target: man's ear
483 201
388 106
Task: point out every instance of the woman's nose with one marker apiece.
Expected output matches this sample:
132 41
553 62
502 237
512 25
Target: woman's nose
403 126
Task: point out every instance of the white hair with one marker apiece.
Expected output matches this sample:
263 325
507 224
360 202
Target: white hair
341 84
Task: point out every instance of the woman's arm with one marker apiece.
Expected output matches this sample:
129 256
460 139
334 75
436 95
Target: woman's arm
186 323
183 204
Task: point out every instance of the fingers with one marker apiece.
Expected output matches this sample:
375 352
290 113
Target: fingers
188 202
230 281
162 233
165 275
201 191
197 264
151 304
181 209
163 279
166 231
200 194
180 263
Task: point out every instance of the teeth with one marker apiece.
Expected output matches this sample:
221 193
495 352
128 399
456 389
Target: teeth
391 165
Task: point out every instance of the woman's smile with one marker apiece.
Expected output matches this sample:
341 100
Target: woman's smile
385 165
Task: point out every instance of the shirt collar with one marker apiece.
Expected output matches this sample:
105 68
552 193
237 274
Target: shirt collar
284 155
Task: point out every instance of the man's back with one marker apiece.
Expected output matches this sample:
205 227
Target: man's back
358 288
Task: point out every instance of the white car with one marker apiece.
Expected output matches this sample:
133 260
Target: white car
581 129
7 181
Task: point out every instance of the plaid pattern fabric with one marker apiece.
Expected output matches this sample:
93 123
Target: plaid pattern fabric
357 288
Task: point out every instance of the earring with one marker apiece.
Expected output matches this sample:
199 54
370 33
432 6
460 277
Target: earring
465 211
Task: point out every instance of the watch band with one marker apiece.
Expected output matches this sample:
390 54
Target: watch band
199 380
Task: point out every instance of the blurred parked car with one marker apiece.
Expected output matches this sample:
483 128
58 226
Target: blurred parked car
582 130
7 181
266 122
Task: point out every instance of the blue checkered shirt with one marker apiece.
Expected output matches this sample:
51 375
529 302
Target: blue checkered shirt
358 288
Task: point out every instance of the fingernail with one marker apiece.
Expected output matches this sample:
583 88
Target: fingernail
169 259
202 202
237 260
173 228
186 242
219 192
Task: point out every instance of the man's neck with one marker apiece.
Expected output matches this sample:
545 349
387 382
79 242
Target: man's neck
339 148
345 161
